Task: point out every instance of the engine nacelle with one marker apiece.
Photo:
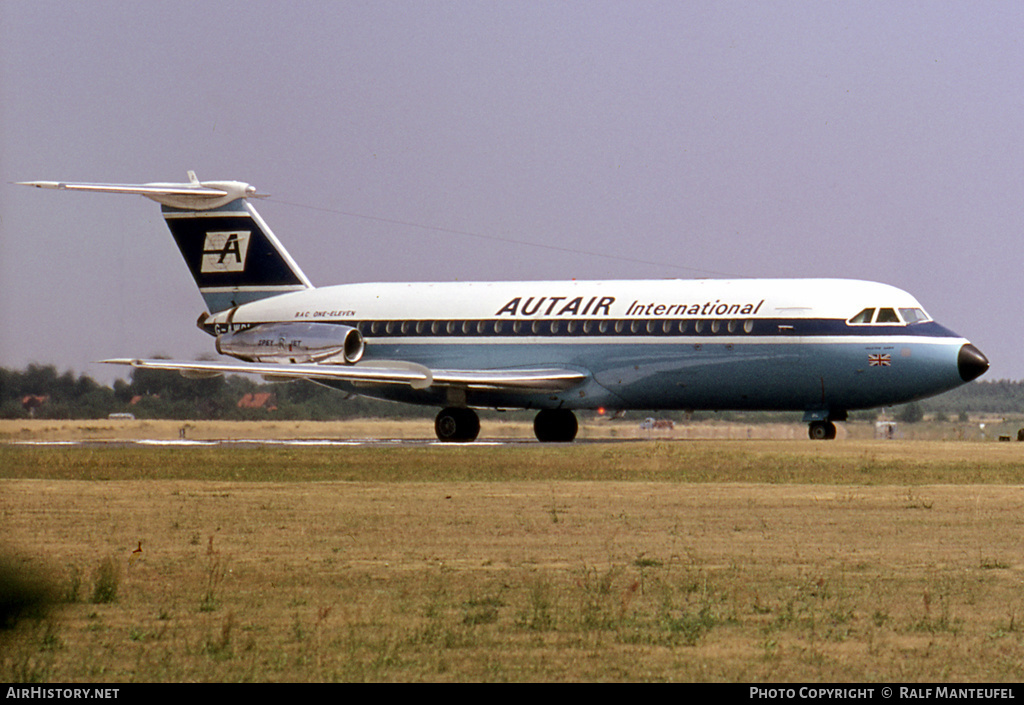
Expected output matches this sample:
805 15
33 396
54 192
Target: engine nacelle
295 343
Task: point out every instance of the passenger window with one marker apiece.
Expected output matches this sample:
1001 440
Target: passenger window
864 316
887 315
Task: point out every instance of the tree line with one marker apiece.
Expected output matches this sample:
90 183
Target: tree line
40 391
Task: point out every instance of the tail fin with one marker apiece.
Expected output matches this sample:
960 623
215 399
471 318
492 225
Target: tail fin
232 254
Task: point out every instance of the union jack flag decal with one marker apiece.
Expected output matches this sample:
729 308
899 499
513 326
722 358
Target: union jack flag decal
879 360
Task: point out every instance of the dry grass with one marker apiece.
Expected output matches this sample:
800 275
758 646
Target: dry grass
686 561
756 461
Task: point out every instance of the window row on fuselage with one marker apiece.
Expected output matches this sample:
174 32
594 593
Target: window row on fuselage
561 327
631 327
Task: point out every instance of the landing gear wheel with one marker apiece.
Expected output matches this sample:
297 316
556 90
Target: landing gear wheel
455 425
555 426
821 431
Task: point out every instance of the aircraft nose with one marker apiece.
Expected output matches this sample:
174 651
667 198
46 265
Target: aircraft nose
971 363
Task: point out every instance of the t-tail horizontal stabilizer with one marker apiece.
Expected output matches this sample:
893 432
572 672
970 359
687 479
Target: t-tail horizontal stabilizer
194 195
233 255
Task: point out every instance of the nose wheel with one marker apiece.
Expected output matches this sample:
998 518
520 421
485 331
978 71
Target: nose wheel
821 431
454 425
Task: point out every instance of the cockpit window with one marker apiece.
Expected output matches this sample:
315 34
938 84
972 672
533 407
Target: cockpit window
864 316
887 315
913 315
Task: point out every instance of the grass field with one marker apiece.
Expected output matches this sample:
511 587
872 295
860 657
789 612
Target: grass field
703 560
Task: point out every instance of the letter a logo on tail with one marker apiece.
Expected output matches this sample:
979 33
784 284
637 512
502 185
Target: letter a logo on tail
225 251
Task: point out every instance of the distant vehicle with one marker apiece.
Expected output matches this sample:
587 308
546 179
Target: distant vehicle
886 429
650 424
121 417
820 346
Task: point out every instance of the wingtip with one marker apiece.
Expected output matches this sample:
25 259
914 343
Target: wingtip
41 184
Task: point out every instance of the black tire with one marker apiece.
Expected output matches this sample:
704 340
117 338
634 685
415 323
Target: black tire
555 426
454 425
821 431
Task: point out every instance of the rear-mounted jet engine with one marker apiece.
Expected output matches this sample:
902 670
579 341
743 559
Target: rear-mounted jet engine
294 343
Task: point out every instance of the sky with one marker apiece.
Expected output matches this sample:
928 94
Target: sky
438 141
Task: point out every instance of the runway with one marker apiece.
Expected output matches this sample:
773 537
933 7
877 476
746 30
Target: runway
249 442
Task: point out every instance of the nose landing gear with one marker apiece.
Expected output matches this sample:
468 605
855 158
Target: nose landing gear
821 431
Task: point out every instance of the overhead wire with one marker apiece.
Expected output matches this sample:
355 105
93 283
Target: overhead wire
496 238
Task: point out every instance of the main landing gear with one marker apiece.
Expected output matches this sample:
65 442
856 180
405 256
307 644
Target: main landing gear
459 425
555 426
456 425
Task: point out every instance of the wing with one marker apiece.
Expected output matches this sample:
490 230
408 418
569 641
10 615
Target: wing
378 372
541 380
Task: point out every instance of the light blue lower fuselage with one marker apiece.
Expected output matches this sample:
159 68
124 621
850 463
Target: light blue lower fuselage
827 369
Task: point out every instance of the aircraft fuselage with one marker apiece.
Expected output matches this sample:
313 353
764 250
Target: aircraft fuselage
671 344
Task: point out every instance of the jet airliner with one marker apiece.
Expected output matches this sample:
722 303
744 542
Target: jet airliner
823 347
